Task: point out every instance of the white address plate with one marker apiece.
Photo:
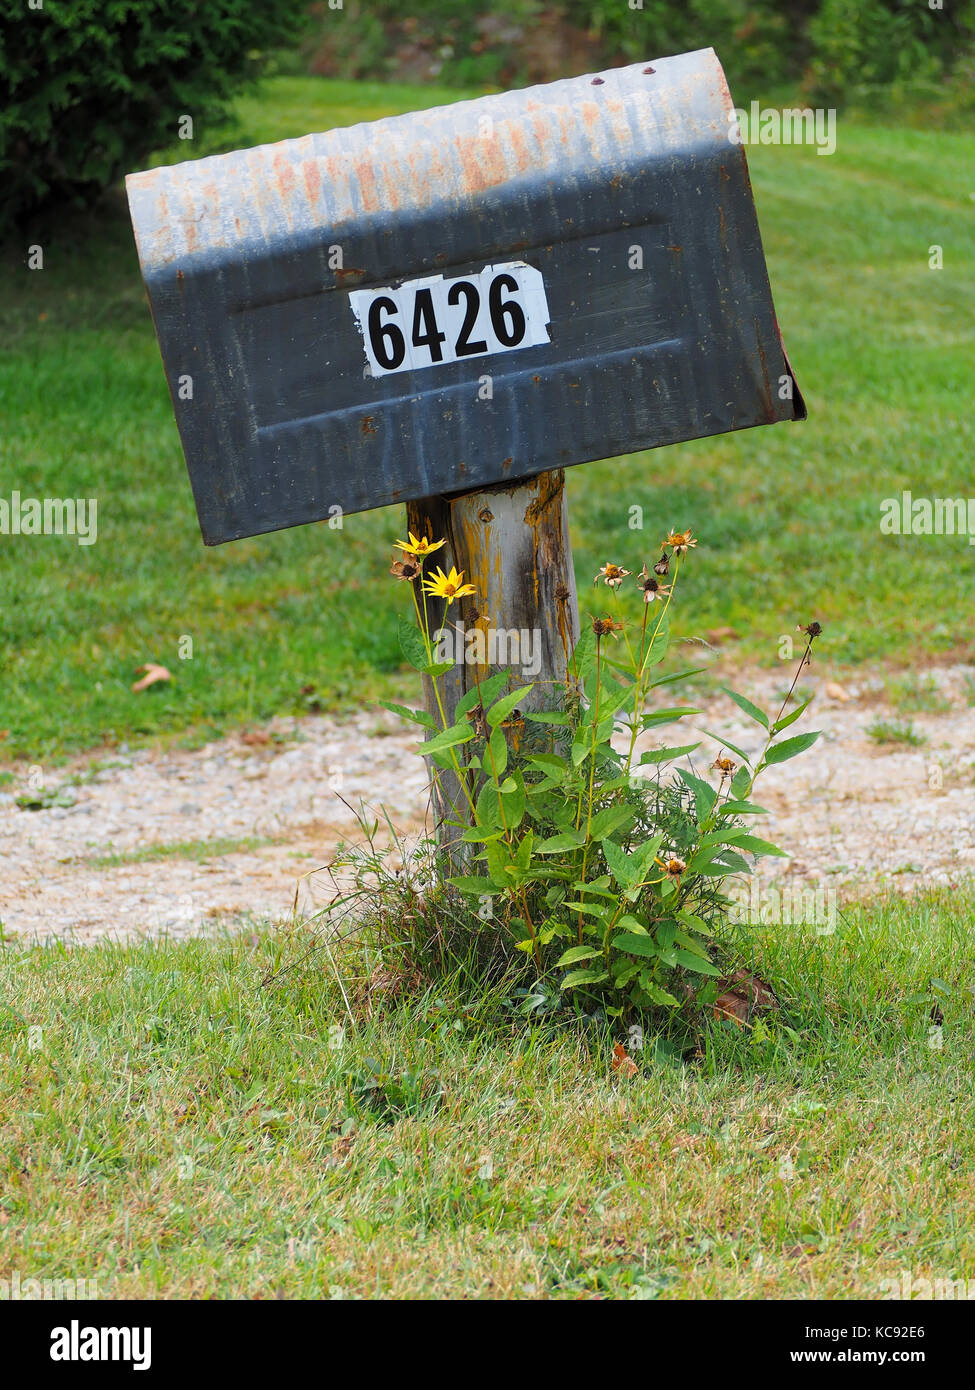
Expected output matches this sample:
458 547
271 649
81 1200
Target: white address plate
424 323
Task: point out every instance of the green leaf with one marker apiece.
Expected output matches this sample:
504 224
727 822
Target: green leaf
676 676
607 820
513 799
448 738
547 716
561 844
724 835
499 863
484 695
473 886
635 945
601 911
622 867
488 808
417 716
547 762
791 718
584 977
658 647
788 748
667 755
411 643
667 716
745 704
580 751
437 668
704 794
751 844
577 953
693 962
523 854
629 923
503 707
655 994
496 757
695 947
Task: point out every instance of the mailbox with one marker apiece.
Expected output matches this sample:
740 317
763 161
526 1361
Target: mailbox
457 297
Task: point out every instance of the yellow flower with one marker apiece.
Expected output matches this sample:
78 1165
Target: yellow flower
419 547
448 586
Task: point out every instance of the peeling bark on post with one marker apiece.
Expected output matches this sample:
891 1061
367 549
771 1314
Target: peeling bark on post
512 542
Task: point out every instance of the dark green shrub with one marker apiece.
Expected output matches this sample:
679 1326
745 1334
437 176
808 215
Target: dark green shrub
89 89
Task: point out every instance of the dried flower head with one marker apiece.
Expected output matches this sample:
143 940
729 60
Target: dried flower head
810 629
680 542
478 718
672 866
408 569
651 589
605 627
613 575
725 765
562 594
662 565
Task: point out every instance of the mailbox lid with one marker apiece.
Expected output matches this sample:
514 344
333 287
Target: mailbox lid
624 194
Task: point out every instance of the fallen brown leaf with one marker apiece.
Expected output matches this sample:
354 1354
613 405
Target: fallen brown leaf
153 675
743 994
255 736
717 635
622 1062
836 692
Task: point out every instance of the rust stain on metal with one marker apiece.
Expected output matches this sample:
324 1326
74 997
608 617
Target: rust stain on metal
368 425
344 273
284 177
483 163
523 156
366 174
311 174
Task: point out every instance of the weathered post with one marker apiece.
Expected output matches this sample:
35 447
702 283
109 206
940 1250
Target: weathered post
512 542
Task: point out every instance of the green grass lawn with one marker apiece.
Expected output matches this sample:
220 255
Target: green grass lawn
174 1126
883 347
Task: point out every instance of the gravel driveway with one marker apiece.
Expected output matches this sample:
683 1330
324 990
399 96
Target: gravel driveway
151 843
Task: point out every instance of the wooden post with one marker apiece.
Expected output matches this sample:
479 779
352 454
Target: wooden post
512 542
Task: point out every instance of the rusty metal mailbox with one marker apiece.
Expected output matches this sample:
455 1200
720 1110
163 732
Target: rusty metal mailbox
462 296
